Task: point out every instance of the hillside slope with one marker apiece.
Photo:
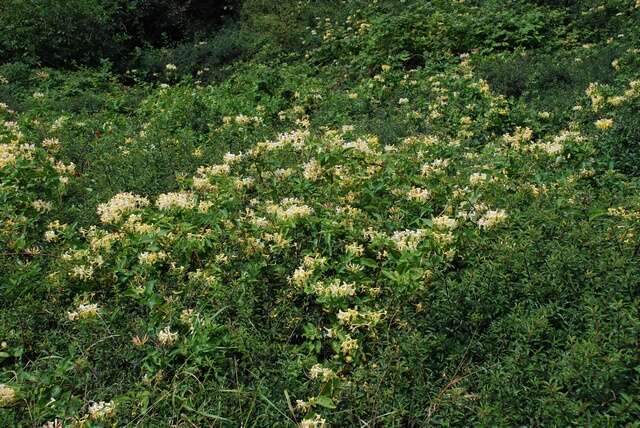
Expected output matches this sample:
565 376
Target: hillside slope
379 214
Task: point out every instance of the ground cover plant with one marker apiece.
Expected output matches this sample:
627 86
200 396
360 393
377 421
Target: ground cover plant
379 214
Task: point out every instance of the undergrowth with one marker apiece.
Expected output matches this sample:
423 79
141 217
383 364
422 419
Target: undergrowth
378 214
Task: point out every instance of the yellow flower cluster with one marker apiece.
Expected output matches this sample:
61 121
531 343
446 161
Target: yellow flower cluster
41 206
82 272
477 178
312 170
335 288
418 194
520 136
166 337
151 257
120 204
624 213
101 410
491 218
408 240
242 120
103 241
302 274
7 395
83 311
9 153
289 209
176 200
295 139
323 373
444 222
316 422
604 124
437 166
593 91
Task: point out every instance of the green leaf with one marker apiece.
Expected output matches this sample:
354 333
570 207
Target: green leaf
324 401
368 262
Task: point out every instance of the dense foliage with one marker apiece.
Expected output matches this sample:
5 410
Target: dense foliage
395 213
84 32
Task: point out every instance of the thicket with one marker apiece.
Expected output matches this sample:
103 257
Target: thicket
320 213
64 33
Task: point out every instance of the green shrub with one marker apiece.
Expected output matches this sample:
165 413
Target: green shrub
57 32
202 60
350 224
545 79
83 32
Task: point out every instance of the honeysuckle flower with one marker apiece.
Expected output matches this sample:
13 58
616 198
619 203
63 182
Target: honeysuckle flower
7 395
604 124
120 204
491 218
316 422
101 410
166 337
83 311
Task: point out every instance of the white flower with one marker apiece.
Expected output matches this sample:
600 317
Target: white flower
288 209
7 395
41 206
300 276
82 272
213 170
520 135
84 311
231 158
282 173
551 148
418 194
444 222
349 345
347 317
316 422
51 143
101 410
56 423
50 236
120 204
317 371
312 170
336 288
354 249
166 337
181 200
437 166
477 178
491 218
151 257
407 240
604 124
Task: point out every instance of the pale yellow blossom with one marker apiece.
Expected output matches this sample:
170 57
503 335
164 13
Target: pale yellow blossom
166 337
83 311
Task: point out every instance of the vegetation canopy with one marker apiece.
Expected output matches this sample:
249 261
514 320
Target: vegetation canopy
319 213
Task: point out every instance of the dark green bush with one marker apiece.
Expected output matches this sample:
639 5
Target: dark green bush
70 32
624 141
531 323
419 33
554 82
54 32
201 60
